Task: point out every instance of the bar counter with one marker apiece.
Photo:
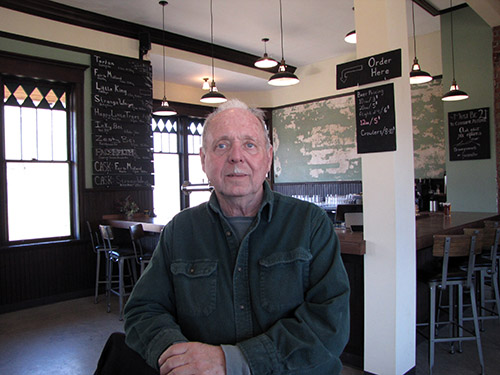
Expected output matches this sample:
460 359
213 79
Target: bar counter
427 225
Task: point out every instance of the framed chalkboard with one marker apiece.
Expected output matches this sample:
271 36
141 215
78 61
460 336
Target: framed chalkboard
469 134
122 102
375 119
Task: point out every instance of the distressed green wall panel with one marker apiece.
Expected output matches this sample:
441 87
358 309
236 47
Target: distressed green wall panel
316 141
428 130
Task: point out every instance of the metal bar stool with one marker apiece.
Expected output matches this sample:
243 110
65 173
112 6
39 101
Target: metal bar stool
487 267
137 234
100 250
121 256
447 247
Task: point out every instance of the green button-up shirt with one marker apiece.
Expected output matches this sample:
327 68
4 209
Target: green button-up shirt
281 295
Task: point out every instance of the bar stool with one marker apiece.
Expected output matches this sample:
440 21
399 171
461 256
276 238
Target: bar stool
487 266
99 249
445 248
121 256
136 234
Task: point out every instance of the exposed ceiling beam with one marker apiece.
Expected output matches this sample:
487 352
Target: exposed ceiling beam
74 16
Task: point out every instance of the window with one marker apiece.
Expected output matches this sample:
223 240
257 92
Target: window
176 147
37 162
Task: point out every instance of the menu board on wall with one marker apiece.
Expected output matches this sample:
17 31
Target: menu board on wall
122 140
375 119
469 134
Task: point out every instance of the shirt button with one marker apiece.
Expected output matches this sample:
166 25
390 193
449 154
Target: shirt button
228 234
191 270
242 307
239 269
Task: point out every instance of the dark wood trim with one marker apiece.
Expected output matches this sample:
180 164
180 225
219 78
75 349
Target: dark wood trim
433 11
15 64
74 16
40 68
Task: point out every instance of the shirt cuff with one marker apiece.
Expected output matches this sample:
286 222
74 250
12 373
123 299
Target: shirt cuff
236 363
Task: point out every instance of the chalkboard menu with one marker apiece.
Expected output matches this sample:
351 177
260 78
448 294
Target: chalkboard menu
375 119
122 101
469 134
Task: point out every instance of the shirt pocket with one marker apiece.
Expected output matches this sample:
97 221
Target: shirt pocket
283 279
195 286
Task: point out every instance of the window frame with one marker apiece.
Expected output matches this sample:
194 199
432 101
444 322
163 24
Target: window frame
183 122
71 74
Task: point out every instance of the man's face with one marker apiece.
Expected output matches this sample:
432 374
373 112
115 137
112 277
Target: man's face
235 155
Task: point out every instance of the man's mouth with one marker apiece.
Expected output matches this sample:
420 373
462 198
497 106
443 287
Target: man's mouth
237 173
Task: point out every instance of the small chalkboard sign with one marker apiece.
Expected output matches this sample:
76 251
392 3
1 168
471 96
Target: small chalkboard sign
375 119
370 69
122 139
469 134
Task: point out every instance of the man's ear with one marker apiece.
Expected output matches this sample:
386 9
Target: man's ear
270 162
202 158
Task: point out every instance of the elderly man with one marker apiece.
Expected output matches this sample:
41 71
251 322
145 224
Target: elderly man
250 282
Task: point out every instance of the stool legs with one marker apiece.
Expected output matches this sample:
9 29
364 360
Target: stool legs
121 281
432 327
476 329
455 333
97 276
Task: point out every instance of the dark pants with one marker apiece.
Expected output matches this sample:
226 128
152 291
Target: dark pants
118 359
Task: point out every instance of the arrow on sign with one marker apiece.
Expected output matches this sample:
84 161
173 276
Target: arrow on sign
345 72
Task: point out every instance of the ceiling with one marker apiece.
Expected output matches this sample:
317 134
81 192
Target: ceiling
312 30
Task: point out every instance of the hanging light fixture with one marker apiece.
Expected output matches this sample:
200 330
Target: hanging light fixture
283 78
417 75
164 109
455 94
205 85
265 61
213 96
350 37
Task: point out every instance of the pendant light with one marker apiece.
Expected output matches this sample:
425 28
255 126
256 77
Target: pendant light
350 37
164 109
283 78
205 85
417 75
213 96
265 61
455 94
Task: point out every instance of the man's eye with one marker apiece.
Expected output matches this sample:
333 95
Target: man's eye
221 146
250 145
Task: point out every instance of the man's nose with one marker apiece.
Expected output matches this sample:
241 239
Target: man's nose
236 155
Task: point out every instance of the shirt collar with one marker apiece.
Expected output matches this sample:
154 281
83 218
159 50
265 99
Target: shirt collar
265 210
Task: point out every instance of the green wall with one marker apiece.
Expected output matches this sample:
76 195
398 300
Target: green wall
471 184
316 141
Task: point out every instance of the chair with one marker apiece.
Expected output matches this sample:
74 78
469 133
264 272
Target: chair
445 248
136 234
99 249
120 256
486 265
118 359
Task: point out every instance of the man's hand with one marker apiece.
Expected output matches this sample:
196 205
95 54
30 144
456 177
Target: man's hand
192 358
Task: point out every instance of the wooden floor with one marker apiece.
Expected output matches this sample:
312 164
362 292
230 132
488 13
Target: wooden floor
67 338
